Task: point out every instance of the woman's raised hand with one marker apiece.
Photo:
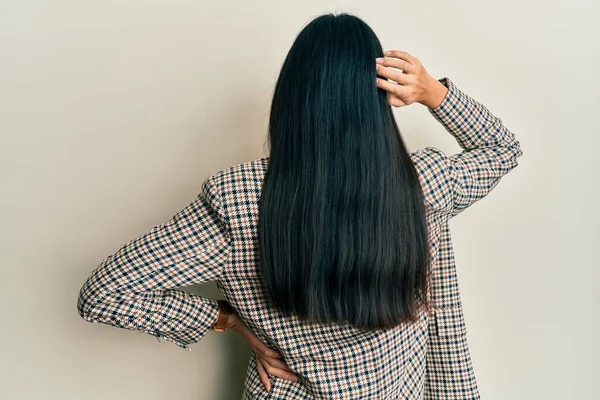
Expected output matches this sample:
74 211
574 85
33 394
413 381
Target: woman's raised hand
412 83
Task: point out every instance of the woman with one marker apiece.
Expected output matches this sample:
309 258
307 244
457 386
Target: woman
333 253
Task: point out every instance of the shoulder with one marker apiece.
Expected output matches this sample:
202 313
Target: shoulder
238 186
251 171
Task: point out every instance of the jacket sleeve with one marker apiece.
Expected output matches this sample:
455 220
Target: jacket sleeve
490 151
135 288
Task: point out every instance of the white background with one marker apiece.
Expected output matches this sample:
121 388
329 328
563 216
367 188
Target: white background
113 112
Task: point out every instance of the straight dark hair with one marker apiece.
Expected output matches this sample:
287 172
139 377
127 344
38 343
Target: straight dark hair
342 229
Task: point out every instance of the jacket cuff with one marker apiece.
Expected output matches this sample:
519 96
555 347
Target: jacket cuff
439 111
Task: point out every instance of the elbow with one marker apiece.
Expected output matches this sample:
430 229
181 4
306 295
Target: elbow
515 152
83 304
518 153
85 300
93 294
519 150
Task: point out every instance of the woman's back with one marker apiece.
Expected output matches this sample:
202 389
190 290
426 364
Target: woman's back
332 361
215 239
339 361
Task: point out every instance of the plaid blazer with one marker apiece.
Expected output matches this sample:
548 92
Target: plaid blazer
215 239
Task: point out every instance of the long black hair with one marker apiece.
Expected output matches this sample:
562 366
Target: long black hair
342 229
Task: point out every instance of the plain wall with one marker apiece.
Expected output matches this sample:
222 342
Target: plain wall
113 112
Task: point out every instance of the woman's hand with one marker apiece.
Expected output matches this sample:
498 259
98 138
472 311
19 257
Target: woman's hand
268 361
412 83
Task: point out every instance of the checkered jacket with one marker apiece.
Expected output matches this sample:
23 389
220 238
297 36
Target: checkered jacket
215 239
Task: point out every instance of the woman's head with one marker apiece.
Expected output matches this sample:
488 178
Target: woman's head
341 218
328 80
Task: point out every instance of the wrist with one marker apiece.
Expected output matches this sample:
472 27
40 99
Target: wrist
229 313
435 94
225 316
232 322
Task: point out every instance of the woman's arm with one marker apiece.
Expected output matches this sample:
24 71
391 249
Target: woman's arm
135 287
490 151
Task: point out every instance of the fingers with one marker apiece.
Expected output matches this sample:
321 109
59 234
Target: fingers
393 74
259 347
406 72
403 55
393 92
394 101
256 343
396 63
275 363
268 361
279 372
391 87
264 377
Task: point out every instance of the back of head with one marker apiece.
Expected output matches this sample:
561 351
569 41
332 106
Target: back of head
342 228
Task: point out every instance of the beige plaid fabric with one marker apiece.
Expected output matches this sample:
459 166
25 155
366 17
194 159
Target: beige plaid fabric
215 239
